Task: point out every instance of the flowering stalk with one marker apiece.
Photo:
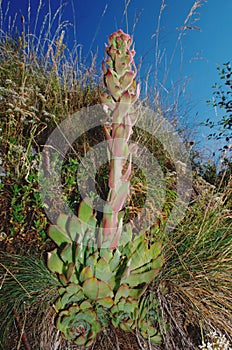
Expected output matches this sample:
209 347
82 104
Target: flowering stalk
119 78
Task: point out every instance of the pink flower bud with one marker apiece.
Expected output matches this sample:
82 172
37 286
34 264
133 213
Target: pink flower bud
108 101
112 84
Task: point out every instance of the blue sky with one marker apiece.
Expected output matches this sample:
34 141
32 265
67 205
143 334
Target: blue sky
196 54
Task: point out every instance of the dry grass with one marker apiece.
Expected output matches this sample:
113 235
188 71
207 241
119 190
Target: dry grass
196 283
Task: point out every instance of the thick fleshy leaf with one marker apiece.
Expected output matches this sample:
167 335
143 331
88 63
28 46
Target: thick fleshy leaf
85 305
123 291
91 225
104 290
127 79
58 235
154 264
155 250
112 84
143 255
63 279
107 100
70 270
106 253
74 228
55 264
112 282
106 302
86 273
62 221
126 235
80 254
66 253
137 243
115 261
95 289
140 278
69 298
135 293
90 288
74 278
73 288
102 271
157 339
85 211
81 340
92 261
157 263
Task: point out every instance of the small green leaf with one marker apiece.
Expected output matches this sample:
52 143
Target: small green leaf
112 282
85 305
157 339
73 288
106 302
81 340
70 270
74 278
92 222
135 293
85 274
143 255
123 291
63 279
157 263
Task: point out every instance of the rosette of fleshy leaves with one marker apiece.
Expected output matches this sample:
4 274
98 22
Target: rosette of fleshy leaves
98 273
124 314
148 320
105 278
118 104
79 323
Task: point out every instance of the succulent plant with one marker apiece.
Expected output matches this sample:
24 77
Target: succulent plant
104 271
125 313
79 323
107 281
148 321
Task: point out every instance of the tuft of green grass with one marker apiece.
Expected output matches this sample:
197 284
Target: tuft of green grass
26 285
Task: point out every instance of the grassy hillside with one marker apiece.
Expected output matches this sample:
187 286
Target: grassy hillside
193 292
